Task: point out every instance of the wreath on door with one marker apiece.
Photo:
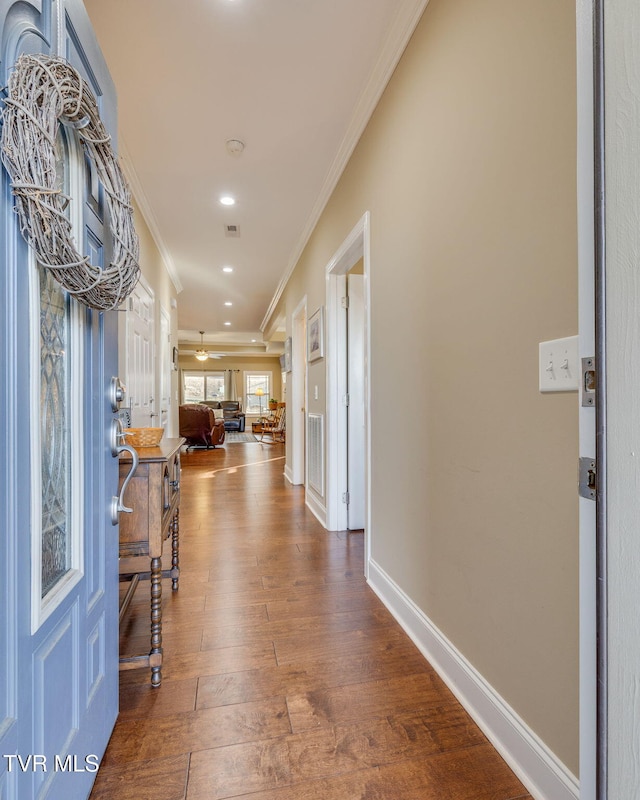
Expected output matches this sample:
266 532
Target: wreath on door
44 92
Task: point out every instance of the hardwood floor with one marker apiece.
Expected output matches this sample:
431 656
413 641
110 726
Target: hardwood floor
284 677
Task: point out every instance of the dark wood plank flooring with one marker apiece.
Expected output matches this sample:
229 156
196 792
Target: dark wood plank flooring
284 676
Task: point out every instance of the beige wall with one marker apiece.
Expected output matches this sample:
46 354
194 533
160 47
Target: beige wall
154 273
468 170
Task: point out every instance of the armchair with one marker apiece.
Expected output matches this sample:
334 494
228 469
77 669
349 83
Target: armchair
233 415
199 426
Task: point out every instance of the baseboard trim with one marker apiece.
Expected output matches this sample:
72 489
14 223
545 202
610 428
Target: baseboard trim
544 775
316 508
288 473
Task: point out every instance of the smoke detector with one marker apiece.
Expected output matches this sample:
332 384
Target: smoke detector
235 147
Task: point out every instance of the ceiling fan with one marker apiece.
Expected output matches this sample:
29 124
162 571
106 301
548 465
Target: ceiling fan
201 354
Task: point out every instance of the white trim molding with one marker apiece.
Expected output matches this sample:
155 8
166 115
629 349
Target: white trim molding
543 774
315 506
288 474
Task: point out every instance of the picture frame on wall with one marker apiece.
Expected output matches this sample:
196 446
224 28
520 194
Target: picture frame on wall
315 335
287 354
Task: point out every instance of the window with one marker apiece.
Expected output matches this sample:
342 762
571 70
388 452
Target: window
254 404
199 386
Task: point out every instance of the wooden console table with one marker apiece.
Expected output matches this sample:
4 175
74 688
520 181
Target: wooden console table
154 495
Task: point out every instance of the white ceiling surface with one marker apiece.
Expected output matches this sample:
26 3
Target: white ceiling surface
294 79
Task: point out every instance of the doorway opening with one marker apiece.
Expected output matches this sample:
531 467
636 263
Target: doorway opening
296 408
349 435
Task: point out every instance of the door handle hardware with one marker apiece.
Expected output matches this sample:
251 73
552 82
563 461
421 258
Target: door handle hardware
116 436
117 503
116 393
587 478
589 382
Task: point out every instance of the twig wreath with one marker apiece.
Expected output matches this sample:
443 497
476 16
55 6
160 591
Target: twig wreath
43 92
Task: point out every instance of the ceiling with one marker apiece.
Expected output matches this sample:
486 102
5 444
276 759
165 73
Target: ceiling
295 81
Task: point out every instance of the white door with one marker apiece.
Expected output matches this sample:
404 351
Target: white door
296 408
140 379
618 236
355 409
165 367
58 548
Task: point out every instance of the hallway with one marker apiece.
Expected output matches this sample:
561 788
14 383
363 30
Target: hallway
284 677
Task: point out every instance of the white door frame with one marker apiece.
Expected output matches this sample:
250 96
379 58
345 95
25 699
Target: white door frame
588 561
296 408
354 247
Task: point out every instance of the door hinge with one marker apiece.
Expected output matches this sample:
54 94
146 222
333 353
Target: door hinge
345 301
587 478
346 497
588 385
346 399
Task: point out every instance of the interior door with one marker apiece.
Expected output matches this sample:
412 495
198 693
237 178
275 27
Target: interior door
355 409
165 367
140 349
296 409
58 551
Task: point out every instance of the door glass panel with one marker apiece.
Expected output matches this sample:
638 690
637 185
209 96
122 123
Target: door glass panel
55 431
55 422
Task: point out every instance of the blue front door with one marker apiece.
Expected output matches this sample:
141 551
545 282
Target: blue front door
58 548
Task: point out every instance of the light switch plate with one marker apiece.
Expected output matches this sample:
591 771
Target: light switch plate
559 366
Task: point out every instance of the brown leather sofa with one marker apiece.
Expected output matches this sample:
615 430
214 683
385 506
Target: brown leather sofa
199 426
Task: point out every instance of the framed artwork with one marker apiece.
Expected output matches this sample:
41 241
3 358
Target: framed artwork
315 336
287 355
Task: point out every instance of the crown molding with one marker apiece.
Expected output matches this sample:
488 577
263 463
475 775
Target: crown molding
147 213
404 25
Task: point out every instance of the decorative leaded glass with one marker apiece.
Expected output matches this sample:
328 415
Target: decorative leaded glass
55 433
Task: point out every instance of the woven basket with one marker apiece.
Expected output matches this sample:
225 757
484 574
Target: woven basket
143 437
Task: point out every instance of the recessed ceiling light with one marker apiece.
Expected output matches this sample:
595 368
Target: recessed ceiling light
227 323
228 303
227 269
227 200
254 340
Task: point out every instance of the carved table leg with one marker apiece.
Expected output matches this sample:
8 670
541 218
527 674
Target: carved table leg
155 656
175 548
